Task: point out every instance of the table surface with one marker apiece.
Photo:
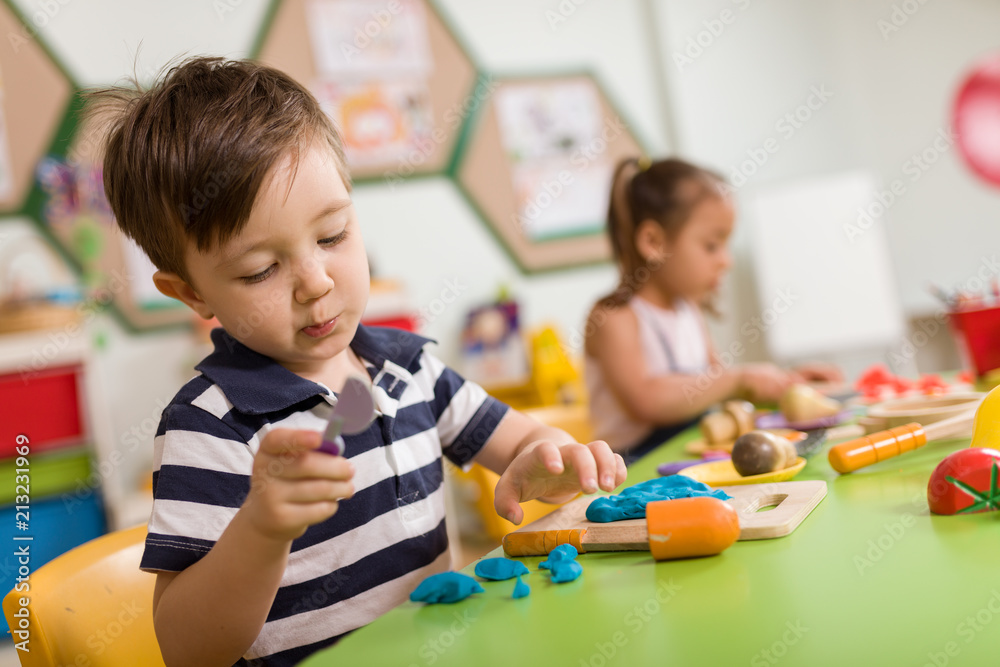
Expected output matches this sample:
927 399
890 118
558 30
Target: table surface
869 578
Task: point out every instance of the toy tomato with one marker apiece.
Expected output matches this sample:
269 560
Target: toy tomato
965 482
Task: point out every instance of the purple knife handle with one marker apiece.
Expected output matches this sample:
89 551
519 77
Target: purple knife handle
675 467
334 447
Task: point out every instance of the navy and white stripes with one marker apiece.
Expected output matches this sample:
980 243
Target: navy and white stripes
365 559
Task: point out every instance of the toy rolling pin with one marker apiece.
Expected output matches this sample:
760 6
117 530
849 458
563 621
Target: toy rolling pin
855 454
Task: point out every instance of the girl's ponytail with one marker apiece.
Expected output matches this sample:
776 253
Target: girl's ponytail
622 228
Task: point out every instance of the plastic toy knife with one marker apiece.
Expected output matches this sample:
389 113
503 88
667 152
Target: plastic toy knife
354 411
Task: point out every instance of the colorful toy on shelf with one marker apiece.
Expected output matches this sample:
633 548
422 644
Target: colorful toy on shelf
802 403
965 482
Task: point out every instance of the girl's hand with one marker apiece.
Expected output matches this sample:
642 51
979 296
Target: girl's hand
293 486
556 473
820 372
765 382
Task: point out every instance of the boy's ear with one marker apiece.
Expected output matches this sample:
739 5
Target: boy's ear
651 241
172 285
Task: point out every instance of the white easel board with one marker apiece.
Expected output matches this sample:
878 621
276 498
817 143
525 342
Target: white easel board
818 241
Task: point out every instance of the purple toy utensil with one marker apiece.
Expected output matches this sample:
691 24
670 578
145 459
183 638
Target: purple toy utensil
354 411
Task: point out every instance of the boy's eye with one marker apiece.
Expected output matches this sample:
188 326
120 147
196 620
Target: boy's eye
257 277
333 240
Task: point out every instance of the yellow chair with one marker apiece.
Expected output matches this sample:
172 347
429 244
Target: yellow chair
571 418
90 606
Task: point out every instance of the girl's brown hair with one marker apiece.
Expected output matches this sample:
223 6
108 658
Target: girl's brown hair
186 158
666 192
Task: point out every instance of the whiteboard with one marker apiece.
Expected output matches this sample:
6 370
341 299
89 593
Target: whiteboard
824 273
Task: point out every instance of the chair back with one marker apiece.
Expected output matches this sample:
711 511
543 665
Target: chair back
89 606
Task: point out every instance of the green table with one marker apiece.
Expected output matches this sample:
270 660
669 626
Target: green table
869 578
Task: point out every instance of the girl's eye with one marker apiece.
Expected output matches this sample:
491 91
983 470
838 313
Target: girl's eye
333 240
257 277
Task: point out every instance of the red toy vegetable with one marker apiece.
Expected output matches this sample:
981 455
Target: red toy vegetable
965 482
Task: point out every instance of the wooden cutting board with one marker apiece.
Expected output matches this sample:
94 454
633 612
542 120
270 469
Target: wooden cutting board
791 501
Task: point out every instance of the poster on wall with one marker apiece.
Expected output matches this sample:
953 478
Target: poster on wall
373 66
548 130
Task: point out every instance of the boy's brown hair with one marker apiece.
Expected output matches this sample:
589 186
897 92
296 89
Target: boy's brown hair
186 158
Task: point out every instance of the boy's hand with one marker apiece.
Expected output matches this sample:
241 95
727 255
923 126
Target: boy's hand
556 473
293 486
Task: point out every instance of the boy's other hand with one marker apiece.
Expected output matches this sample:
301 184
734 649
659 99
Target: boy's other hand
293 486
556 473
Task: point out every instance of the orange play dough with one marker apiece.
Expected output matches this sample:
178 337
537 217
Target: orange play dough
686 527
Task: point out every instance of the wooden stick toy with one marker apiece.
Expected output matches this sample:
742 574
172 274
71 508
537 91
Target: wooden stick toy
855 454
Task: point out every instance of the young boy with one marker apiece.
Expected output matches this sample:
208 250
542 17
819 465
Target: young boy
233 181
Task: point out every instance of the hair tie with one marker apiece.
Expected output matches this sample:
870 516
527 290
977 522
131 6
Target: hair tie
643 163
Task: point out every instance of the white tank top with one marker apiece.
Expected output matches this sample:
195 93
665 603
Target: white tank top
672 341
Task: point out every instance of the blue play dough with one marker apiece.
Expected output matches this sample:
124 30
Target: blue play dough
631 502
561 552
445 587
521 589
565 570
500 569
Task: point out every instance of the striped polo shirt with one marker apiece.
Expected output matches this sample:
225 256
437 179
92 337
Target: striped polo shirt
365 559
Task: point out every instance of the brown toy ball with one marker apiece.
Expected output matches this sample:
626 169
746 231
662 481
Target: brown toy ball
759 452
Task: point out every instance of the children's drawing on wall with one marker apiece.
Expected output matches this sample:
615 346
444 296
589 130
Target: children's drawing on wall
549 131
492 348
372 76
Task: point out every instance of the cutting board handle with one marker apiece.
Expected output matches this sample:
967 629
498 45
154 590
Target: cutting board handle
542 542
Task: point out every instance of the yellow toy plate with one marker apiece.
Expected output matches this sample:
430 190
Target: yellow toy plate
722 473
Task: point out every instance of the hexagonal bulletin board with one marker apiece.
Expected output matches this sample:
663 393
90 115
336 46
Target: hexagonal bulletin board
39 128
538 167
391 74
413 105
